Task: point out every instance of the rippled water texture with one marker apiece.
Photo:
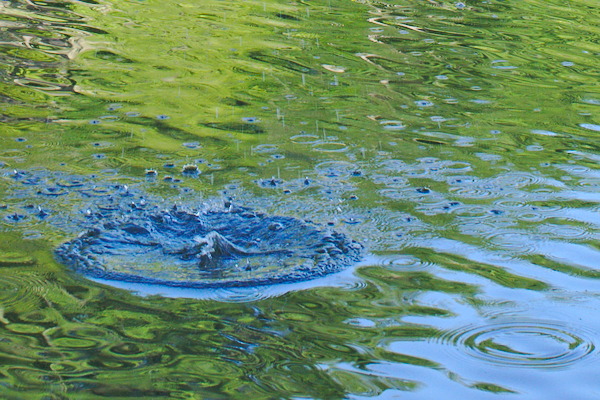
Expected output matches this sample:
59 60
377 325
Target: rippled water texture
456 141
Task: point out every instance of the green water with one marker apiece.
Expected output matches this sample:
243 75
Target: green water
457 142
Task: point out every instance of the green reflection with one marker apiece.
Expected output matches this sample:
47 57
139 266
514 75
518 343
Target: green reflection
438 135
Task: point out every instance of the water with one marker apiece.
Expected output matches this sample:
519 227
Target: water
454 140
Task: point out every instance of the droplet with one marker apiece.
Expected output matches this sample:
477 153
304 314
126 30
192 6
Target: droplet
423 103
190 169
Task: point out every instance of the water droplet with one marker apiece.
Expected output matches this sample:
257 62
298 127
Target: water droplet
191 145
392 125
114 106
423 103
190 169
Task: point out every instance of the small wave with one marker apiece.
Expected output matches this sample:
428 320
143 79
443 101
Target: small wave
526 344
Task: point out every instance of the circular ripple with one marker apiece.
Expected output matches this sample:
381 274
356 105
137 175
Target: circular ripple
329 147
531 344
515 241
305 139
22 290
336 169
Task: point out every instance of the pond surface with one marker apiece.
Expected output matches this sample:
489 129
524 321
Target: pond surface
456 141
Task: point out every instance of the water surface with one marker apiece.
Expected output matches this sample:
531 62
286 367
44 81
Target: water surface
457 141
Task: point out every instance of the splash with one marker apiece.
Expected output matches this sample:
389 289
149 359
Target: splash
127 235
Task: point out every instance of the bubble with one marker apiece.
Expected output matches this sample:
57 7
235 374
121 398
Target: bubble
132 114
567 63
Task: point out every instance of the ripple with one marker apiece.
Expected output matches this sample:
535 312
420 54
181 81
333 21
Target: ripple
265 148
392 125
336 169
515 241
515 180
22 290
527 344
305 139
565 231
401 262
330 147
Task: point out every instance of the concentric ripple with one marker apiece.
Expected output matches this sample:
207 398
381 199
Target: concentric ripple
21 290
530 344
